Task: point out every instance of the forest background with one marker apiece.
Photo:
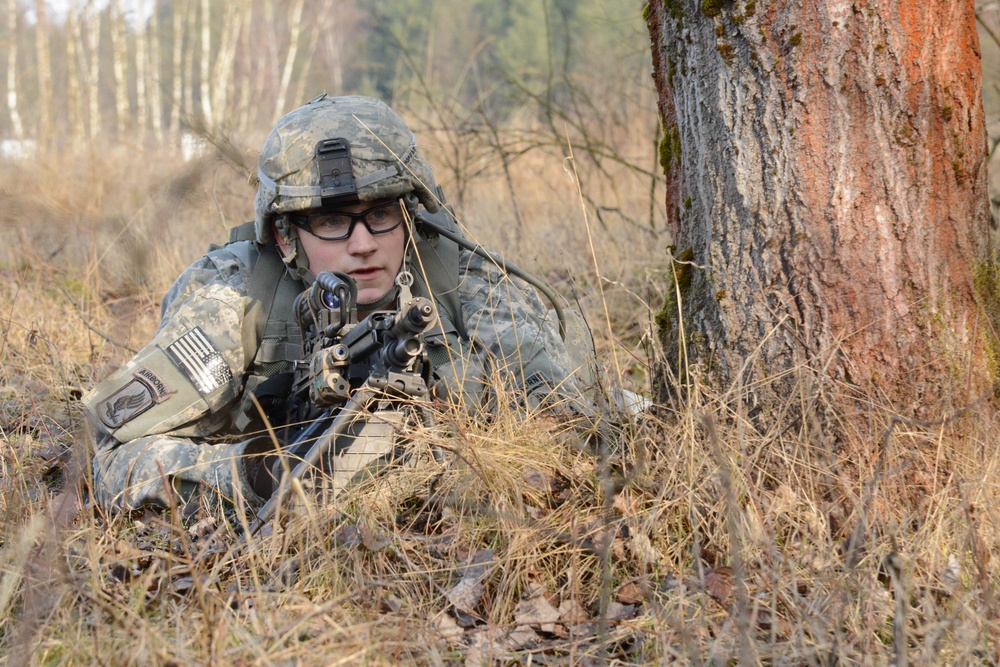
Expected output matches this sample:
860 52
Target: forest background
130 133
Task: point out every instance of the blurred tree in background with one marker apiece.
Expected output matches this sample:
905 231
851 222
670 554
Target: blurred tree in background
154 67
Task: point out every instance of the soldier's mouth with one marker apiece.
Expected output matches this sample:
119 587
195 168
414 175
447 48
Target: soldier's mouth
365 273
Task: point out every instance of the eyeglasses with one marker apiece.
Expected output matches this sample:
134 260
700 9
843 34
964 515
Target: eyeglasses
380 219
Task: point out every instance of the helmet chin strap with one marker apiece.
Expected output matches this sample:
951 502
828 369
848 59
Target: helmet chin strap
296 261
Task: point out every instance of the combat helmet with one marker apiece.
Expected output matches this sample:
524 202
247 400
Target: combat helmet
338 150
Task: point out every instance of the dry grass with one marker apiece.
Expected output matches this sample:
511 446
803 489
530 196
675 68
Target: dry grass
710 538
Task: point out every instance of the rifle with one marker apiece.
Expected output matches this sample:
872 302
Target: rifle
349 365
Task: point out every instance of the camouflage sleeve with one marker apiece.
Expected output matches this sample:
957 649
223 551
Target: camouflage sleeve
518 336
150 414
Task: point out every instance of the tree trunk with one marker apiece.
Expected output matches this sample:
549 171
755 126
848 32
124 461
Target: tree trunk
74 103
317 27
232 26
827 194
180 9
93 19
294 30
155 86
44 75
16 127
140 68
205 68
119 56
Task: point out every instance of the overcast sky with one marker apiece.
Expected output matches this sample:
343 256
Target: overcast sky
57 8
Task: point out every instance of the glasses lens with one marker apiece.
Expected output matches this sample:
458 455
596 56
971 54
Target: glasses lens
384 218
329 226
338 226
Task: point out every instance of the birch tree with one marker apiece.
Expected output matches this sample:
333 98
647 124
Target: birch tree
178 69
16 127
44 73
119 56
75 124
294 31
232 27
155 88
141 101
827 189
93 70
205 67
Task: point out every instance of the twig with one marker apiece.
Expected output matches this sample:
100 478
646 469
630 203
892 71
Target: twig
90 326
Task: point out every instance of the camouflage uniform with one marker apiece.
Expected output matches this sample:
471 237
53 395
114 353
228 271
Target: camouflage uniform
175 419
156 424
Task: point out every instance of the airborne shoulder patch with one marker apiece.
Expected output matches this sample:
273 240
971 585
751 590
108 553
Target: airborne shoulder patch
195 355
144 391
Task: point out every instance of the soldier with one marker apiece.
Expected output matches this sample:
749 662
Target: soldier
344 188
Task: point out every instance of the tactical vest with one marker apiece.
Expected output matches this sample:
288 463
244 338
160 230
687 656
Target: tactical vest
272 336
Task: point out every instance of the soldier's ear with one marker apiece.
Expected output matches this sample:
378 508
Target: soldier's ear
281 232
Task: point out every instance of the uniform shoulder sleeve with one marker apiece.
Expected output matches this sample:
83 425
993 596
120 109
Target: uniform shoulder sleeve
229 265
506 317
183 380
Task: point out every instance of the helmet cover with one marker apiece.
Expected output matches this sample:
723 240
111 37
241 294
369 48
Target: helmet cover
381 149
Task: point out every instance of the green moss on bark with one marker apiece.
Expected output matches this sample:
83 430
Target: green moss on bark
681 275
675 9
986 278
670 148
711 8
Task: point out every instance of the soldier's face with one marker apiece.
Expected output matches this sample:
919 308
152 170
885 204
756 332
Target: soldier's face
373 260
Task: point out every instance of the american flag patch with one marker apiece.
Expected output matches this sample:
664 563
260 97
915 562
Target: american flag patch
201 362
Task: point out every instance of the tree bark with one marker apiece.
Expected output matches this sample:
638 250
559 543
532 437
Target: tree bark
74 103
232 26
294 30
180 9
155 86
119 56
205 68
826 189
16 126
44 75
92 16
142 112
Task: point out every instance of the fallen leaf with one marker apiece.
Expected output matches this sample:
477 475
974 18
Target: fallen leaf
466 593
482 651
537 612
952 574
620 612
537 480
572 612
642 548
203 527
347 537
719 583
522 637
446 628
389 604
372 541
182 585
629 593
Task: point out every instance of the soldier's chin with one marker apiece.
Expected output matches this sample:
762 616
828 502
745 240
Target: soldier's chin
371 294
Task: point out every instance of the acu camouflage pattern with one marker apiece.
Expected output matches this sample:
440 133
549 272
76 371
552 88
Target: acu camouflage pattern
384 157
166 452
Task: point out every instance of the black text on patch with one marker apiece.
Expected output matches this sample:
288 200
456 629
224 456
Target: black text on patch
139 395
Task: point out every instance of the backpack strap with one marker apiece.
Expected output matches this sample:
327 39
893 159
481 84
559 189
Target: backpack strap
439 267
266 272
268 278
245 232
